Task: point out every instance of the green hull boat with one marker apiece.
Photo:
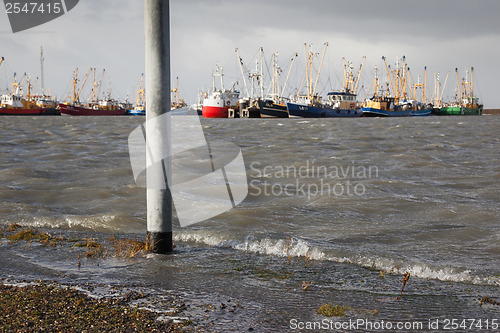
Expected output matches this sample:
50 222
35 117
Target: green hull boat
461 111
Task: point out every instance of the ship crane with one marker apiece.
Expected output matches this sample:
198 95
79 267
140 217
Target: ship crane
359 75
76 95
288 75
141 100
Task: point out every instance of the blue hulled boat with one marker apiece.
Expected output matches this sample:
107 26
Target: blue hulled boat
319 111
379 106
425 112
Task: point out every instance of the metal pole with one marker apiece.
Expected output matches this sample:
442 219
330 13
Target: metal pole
159 200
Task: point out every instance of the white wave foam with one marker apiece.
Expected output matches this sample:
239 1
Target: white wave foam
281 248
105 222
294 247
276 247
425 271
203 237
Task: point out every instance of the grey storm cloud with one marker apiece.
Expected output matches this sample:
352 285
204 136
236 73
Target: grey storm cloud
440 34
425 18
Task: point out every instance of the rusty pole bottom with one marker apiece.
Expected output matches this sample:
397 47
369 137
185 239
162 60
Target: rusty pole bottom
159 242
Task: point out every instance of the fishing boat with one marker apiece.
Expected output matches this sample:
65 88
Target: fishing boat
310 105
198 106
274 104
384 106
96 106
218 103
249 103
140 104
176 101
345 100
474 109
419 109
104 108
44 99
396 101
466 104
268 108
316 109
15 104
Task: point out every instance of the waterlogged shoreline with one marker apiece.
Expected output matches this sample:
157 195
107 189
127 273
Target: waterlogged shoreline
222 289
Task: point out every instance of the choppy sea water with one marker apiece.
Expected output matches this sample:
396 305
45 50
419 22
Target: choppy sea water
346 206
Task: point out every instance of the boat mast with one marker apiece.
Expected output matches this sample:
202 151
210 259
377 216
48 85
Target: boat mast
275 79
261 72
309 68
348 85
405 78
306 58
359 75
213 77
240 61
442 91
174 94
458 87
425 85
221 74
437 84
472 82
74 85
177 90
319 70
288 75
410 84
388 75
41 70
28 95
399 79
15 85
218 72
93 97
22 84
344 84
100 84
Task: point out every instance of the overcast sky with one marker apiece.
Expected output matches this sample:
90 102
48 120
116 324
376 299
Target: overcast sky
441 35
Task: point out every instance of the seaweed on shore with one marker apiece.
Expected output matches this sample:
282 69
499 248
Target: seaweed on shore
329 310
93 248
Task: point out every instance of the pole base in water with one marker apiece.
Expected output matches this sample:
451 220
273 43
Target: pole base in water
160 242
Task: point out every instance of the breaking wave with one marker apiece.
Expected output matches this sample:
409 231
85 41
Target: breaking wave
294 247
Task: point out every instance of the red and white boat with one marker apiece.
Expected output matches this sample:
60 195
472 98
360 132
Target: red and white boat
15 104
219 101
